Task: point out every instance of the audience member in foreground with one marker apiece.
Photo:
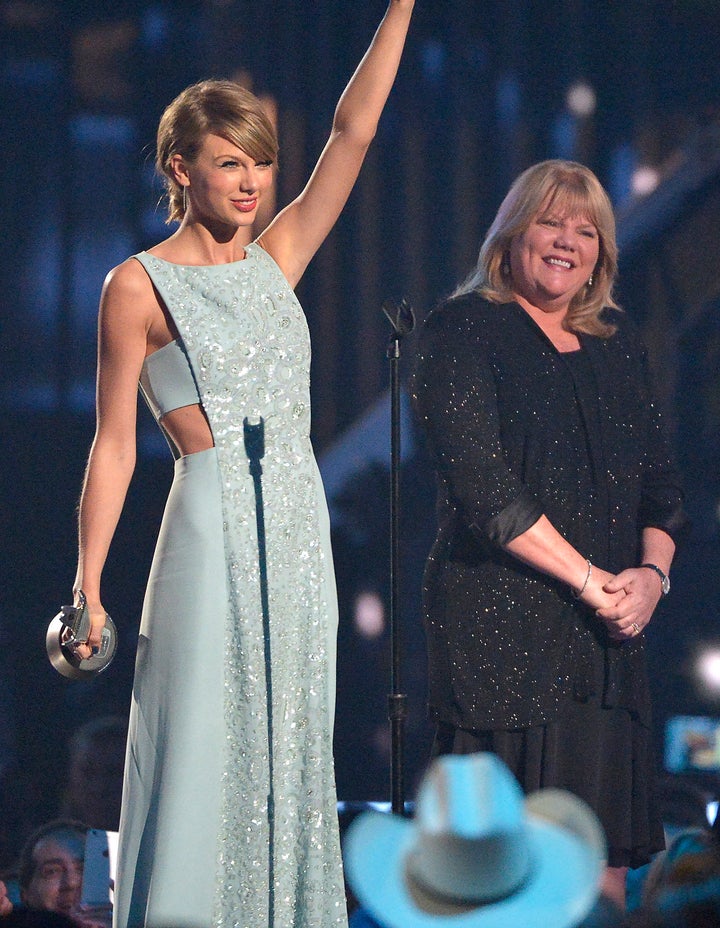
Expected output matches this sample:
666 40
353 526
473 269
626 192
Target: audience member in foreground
93 784
50 874
682 889
6 905
479 849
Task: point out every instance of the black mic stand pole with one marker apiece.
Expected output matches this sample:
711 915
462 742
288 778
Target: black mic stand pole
402 321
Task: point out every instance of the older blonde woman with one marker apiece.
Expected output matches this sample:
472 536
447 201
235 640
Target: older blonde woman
558 509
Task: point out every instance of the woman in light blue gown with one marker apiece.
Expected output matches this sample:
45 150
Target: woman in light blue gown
229 801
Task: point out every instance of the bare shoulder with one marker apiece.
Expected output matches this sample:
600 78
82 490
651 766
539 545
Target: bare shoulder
129 298
128 280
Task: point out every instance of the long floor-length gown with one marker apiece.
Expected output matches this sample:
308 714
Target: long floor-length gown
229 814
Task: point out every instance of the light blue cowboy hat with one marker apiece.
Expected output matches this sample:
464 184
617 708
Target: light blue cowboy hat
478 854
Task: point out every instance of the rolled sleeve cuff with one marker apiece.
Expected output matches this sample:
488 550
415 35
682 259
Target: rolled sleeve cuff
515 518
677 525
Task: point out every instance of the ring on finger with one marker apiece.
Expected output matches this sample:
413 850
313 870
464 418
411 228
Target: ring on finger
636 628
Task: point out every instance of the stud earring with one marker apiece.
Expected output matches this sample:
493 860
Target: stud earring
590 281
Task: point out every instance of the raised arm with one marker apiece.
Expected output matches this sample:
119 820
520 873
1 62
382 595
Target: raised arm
299 230
122 338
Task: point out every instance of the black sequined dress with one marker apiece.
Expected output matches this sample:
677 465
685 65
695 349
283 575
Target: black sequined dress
516 665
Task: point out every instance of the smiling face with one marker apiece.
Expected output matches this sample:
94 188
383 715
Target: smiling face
553 259
224 185
219 109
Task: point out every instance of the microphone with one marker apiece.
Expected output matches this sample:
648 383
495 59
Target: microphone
400 316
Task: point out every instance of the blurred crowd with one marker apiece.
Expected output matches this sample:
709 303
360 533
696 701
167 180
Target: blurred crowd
42 866
474 846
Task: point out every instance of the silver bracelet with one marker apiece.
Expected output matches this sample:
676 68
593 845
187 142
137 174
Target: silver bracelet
578 593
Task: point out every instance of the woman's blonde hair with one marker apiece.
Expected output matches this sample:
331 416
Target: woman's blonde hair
212 107
555 186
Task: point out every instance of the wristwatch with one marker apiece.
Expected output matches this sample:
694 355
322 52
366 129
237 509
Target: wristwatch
664 579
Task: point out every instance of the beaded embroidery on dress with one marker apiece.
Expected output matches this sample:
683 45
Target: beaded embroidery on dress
246 338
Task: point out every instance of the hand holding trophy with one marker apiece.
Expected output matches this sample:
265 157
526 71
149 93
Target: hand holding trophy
71 628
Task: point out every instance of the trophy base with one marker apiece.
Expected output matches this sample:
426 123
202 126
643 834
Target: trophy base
67 662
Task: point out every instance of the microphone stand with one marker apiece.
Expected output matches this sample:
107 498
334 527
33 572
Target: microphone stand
254 438
402 320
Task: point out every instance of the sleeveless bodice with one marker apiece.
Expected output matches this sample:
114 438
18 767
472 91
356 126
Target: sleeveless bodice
246 339
166 380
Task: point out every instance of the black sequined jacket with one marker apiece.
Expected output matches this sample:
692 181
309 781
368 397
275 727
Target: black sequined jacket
513 434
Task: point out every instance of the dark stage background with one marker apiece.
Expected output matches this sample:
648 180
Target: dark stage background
486 88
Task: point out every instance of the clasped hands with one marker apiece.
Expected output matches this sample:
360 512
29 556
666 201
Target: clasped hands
624 602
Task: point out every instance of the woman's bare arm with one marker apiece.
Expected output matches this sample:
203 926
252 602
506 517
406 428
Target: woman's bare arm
544 548
299 230
122 338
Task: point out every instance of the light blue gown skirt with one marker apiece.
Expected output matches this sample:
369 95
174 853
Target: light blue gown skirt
173 777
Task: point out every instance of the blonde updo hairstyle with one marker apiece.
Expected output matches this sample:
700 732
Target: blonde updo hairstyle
213 107
551 187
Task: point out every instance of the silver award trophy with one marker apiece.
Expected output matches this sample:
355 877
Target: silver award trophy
70 628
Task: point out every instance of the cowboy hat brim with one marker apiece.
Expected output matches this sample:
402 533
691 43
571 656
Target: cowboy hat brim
559 891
